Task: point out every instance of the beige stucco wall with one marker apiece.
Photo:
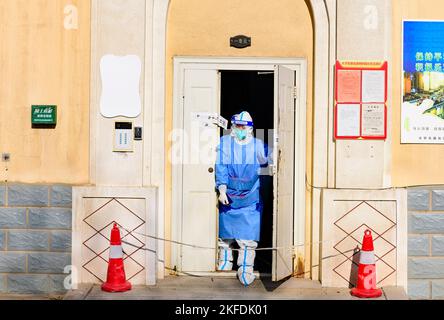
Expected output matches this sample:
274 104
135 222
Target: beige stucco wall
203 28
412 164
42 63
118 29
362 36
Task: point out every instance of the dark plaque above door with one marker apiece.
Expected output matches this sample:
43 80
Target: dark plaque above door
240 42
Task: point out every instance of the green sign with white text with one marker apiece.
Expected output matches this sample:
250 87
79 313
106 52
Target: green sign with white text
44 115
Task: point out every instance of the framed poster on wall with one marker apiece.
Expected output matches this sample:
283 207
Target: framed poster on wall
422 110
361 100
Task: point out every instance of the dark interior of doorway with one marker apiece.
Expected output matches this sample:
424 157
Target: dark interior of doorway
253 91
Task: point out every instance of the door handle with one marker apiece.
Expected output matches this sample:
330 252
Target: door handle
210 170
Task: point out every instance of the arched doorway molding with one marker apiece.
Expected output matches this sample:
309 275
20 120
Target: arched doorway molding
323 16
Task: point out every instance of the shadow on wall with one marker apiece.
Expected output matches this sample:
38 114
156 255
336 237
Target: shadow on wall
354 268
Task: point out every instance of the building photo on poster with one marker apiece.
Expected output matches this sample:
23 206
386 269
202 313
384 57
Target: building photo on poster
422 109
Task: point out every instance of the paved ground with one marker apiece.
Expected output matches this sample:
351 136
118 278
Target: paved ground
31 297
206 288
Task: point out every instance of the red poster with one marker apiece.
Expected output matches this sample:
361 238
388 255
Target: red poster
349 86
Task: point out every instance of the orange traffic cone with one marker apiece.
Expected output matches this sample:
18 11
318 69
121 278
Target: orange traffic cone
116 281
366 287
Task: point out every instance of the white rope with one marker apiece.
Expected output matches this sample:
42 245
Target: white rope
292 247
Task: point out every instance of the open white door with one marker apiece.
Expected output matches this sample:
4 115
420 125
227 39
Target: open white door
284 152
199 202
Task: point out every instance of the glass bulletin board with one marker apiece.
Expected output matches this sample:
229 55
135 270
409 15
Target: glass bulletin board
360 100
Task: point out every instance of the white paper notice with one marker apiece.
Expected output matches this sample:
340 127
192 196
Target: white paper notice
349 120
207 119
373 120
373 86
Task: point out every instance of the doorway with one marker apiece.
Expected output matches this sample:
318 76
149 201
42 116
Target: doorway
273 90
253 91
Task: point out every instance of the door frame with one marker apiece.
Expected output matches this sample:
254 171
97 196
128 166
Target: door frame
248 64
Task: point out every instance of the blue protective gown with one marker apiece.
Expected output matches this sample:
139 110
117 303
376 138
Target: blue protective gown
238 167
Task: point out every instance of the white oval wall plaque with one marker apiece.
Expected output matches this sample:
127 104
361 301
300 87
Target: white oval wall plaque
120 86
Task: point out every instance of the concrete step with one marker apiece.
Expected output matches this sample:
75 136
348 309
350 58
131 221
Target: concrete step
225 288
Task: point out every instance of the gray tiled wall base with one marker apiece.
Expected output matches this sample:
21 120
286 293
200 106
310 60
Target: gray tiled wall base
438 246
426 243
35 238
438 289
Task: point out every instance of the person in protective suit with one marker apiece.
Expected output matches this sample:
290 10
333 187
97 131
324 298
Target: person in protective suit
240 157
